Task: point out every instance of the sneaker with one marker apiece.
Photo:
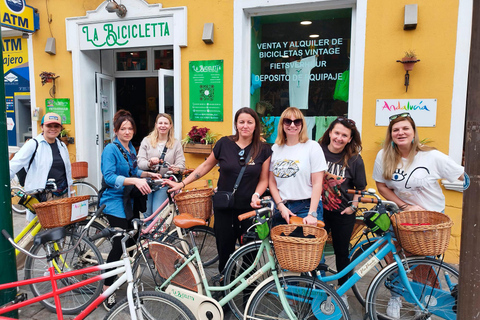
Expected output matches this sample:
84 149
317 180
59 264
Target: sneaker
393 309
345 300
109 302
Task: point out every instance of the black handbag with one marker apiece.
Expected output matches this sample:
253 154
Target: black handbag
226 199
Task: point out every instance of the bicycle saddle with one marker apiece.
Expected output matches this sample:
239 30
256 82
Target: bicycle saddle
45 236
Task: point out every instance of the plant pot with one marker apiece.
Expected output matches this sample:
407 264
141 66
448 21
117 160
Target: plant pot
408 63
199 148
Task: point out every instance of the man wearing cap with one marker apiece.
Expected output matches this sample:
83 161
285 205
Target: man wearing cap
45 157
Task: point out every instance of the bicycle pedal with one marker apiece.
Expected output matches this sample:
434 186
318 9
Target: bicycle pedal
20 297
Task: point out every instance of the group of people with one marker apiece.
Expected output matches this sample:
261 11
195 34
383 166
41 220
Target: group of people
305 178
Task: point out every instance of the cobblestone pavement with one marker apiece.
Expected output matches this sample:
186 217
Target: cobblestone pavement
38 312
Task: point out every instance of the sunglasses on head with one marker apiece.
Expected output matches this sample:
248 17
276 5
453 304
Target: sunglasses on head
241 154
349 121
296 122
403 115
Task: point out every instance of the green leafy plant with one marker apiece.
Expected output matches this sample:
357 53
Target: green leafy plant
64 133
268 127
410 54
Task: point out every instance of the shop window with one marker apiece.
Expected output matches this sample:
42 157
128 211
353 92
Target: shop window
132 61
302 60
163 59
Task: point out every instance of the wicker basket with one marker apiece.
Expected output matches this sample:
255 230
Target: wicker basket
57 213
423 240
79 170
197 202
298 254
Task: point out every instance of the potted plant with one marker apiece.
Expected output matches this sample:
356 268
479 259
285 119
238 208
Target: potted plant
64 136
199 140
47 77
409 60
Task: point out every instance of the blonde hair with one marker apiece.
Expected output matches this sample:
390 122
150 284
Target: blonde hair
392 156
288 113
153 136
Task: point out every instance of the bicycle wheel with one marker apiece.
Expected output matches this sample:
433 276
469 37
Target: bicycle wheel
434 284
309 299
144 272
361 286
238 262
85 255
104 245
152 305
83 188
16 207
206 243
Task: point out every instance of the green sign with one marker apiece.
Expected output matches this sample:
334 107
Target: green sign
206 90
60 107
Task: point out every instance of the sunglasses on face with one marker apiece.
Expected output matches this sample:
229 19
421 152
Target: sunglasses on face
241 159
403 115
296 122
349 121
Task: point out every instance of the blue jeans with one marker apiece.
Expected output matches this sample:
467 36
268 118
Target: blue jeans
155 200
299 207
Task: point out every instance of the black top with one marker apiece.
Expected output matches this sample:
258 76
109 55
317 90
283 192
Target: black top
338 179
57 171
226 152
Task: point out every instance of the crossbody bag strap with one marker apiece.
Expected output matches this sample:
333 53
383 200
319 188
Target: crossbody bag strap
240 175
125 156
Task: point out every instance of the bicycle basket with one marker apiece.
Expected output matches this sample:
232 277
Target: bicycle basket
377 221
423 233
79 170
298 254
58 213
196 202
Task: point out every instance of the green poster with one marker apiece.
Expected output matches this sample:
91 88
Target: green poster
60 107
206 90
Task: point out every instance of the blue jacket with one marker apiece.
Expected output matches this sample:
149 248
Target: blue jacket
115 169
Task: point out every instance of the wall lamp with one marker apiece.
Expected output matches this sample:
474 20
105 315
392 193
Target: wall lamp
119 9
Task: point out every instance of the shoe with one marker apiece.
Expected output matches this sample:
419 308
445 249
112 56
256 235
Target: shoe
418 313
393 309
110 302
345 300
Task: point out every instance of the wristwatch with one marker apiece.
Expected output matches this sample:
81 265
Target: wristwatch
313 214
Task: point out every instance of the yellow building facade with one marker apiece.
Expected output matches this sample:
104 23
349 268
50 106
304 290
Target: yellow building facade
99 74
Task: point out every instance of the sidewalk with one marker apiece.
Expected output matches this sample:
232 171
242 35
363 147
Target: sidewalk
38 312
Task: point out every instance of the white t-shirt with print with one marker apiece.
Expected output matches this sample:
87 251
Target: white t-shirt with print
292 167
418 184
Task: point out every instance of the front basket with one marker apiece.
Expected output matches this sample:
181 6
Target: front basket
57 213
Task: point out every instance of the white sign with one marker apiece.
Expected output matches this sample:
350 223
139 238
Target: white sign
79 210
10 124
127 34
422 111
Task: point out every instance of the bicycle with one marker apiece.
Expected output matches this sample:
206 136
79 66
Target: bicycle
140 305
421 295
178 269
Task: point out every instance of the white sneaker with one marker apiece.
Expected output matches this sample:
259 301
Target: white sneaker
345 300
393 309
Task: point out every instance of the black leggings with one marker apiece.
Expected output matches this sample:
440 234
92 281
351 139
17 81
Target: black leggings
341 227
116 252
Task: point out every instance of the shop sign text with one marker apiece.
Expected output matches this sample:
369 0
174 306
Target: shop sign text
15 14
127 34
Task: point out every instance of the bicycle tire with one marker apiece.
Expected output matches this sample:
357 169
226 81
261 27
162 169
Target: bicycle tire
85 255
238 262
16 207
439 298
83 188
104 245
154 305
325 303
360 287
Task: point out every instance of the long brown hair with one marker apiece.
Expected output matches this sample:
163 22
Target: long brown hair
352 148
256 142
287 113
392 156
153 136
121 116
